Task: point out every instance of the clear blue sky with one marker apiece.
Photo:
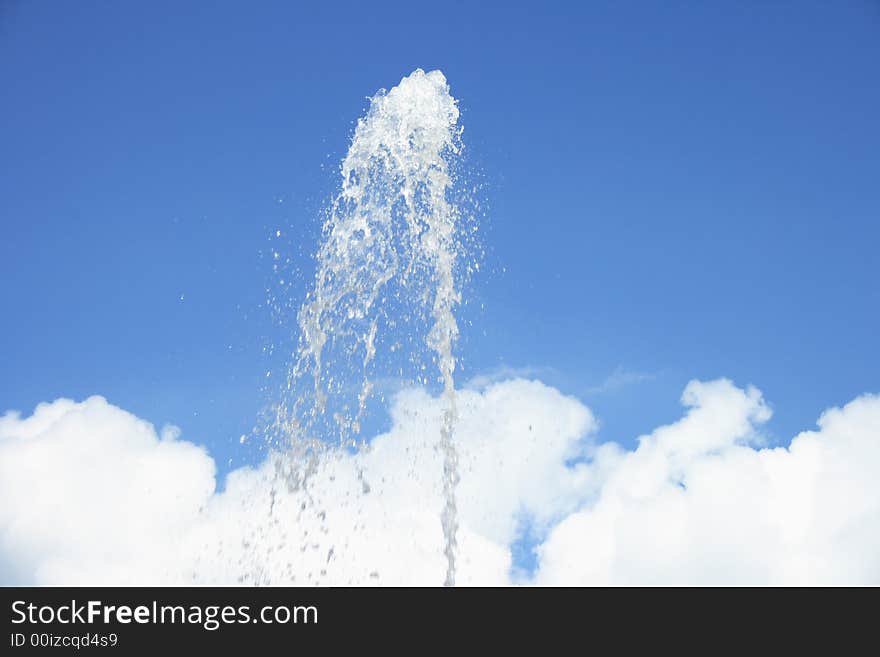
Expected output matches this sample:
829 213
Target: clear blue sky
679 190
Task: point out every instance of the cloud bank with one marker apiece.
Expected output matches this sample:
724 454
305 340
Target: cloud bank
92 494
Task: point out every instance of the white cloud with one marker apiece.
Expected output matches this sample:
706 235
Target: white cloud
620 378
695 503
91 494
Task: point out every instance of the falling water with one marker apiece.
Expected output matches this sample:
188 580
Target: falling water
384 295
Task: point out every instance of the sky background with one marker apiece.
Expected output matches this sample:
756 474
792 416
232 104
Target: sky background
674 191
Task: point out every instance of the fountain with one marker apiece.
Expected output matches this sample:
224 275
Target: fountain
382 306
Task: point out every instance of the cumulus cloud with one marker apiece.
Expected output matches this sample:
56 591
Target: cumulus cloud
92 494
696 503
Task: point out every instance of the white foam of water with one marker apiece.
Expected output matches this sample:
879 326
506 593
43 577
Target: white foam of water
385 288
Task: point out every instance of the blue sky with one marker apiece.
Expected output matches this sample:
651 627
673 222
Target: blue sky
674 193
